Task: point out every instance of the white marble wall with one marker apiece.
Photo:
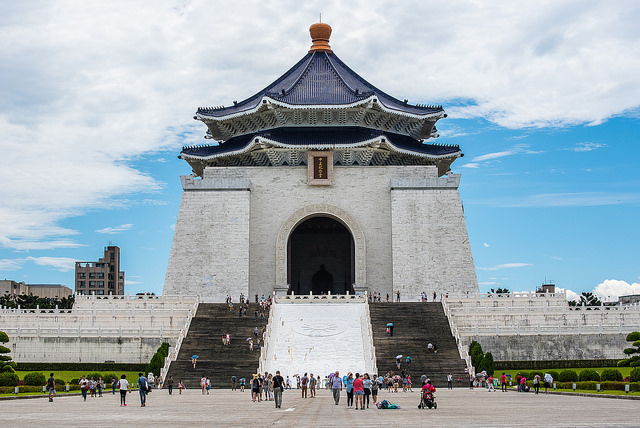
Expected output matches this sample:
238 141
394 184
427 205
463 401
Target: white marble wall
411 238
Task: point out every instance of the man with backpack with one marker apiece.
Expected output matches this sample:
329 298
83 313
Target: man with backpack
51 387
277 384
143 387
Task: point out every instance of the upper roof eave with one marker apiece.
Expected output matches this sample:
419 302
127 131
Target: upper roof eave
370 101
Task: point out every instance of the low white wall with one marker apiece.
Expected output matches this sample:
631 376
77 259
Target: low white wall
530 326
127 330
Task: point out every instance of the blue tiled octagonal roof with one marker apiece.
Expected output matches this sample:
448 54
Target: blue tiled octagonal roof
320 78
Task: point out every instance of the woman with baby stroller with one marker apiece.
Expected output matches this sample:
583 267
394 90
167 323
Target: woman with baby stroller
428 397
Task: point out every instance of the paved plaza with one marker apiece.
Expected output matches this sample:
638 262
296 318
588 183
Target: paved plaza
459 407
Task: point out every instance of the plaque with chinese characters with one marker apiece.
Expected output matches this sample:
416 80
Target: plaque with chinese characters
320 168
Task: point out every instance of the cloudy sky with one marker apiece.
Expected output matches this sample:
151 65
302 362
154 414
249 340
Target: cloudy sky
97 98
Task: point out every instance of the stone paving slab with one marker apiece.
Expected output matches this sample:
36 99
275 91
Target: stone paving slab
459 407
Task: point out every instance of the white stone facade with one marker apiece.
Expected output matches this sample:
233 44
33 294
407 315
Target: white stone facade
406 222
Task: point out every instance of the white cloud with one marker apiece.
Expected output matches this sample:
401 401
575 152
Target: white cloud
486 245
470 165
11 264
586 147
613 288
89 86
63 264
116 229
517 149
505 266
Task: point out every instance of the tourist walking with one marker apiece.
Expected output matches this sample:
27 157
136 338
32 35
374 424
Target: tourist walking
312 385
375 384
336 387
348 383
548 380
84 387
114 384
366 383
169 384
503 382
358 391
143 388
490 386
303 382
449 381
203 384
255 388
536 383
123 386
233 383
180 387
277 384
242 381
51 387
100 386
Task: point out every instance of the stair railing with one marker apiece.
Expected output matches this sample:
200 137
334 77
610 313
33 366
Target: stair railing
173 353
368 348
456 334
266 341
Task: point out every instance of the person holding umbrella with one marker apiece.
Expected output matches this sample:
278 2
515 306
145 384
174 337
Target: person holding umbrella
194 359
398 360
390 329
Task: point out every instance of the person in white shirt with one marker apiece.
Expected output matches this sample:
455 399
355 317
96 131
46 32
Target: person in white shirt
123 386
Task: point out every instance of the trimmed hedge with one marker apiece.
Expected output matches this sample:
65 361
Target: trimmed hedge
9 379
612 375
588 375
634 376
83 367
553 364
568 376
604 386
35 379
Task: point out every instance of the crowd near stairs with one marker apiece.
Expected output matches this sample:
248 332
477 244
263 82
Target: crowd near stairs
217 361
415 326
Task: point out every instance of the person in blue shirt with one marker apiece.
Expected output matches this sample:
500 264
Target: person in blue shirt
143 385
349 386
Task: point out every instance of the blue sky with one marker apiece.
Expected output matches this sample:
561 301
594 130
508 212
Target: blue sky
97 98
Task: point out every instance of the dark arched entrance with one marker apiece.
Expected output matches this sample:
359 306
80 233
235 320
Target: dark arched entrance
320 255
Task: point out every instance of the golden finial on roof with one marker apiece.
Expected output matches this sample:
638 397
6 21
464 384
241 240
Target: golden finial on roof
320 34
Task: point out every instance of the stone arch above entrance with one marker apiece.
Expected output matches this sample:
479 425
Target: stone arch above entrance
324 210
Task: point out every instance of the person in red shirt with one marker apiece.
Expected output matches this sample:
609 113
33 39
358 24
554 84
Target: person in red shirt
503 381
358 391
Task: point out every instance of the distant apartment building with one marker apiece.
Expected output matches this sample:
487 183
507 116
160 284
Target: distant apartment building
101 277
51 291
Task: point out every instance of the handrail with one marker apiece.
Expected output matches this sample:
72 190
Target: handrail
456 334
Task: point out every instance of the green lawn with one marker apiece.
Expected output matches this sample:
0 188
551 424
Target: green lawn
68 375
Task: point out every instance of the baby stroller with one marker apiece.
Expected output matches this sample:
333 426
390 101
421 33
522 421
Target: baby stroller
428 398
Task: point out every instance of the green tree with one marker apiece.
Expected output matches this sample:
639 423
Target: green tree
487 364
476 354
634 338
6 362
501 291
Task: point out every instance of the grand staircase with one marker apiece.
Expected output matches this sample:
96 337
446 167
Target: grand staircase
215 360
416 325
